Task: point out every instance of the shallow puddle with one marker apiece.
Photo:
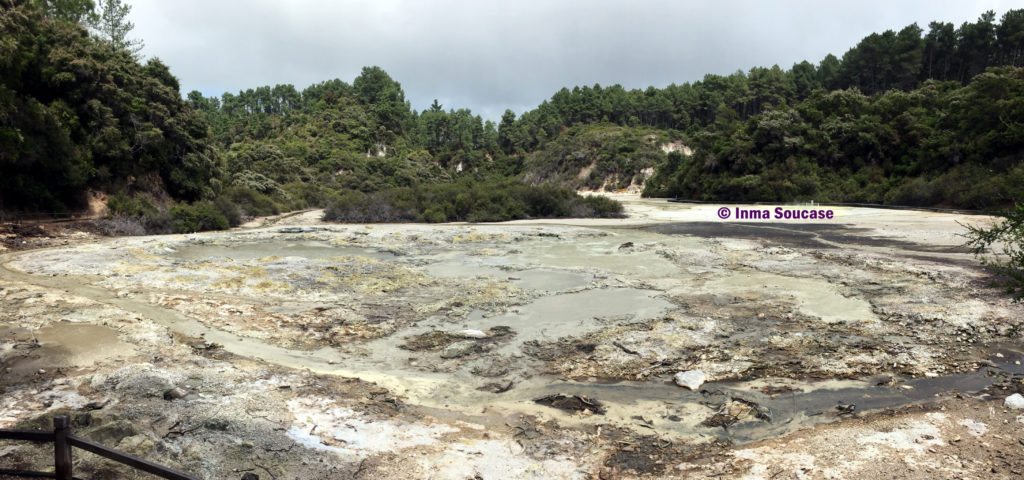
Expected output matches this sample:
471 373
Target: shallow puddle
62 345
531 279
602 255
549 280
815 297
571 314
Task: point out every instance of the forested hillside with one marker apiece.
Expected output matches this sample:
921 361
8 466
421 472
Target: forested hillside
336 135
941 144
907 117
918 117
78 112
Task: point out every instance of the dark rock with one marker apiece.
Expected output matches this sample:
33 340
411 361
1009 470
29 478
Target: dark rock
573 403
95 405
500 331
112 433
433 340
461 349
497 387
218 424
492 367
175 393
83 420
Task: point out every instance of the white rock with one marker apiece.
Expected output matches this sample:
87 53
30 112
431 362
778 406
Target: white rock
691 379
1014 401
470 333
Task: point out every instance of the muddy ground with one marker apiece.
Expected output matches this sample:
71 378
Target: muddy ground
871 346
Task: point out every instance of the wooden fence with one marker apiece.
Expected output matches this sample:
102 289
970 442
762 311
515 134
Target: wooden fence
64 442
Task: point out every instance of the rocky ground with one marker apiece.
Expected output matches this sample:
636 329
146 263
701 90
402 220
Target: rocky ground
869 347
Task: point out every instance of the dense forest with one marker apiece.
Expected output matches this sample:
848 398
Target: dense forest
907 117
919 117
912 117
80 111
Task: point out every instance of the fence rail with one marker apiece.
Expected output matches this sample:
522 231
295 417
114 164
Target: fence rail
64 442
42 217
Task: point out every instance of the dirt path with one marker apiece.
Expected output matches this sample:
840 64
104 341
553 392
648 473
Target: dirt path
299 217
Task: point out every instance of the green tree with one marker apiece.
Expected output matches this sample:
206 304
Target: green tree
505 131
939 51
976 46
805 79
1001 248
79 116
1010 38
111 24
75 11
828 72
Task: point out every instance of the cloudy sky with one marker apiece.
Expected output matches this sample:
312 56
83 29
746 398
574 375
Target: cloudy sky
489 55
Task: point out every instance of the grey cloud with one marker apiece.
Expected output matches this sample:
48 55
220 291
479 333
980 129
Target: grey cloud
490 55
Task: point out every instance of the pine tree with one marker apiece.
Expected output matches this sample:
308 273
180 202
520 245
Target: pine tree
111 24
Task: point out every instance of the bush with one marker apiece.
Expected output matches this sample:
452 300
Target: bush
1008 261
230 211
251 203
197 217
601 207
469 201
128 214
916 192
120 225
121 205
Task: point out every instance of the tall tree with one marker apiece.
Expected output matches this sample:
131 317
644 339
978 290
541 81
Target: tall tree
805 79
1010 38
939 51
508 120
828 72
905 58
111 24
976 46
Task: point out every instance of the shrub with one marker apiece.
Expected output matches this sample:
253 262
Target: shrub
199 216
229 209
467 200
602 207
122 205
120 225
917 192
251 203
127 214
1008 261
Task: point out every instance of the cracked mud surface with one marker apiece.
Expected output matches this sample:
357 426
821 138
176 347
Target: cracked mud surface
522 350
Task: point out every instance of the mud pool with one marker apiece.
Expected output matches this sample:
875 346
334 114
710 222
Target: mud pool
459 329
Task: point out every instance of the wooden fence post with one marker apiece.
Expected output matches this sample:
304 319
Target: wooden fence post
61 447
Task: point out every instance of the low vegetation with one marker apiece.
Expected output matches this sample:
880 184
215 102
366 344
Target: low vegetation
468 201
1001 248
